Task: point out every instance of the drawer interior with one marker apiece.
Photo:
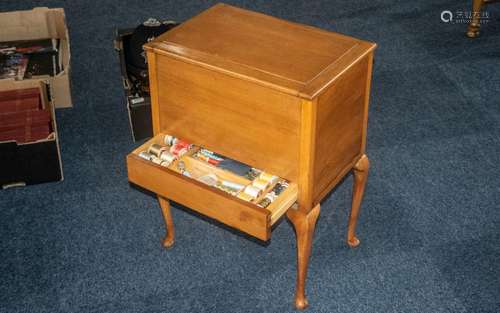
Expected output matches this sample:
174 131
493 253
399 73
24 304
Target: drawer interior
229 178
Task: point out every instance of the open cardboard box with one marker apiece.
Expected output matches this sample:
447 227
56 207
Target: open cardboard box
42 23
32 162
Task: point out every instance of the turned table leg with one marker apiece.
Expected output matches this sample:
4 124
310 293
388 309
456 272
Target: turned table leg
360 178
304 224
473 29
169 223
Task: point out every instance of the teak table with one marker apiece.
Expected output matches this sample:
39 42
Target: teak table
283 97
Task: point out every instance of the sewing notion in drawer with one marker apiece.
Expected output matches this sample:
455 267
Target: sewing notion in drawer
224 189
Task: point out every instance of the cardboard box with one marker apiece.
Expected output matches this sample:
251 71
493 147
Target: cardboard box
36 161
43 23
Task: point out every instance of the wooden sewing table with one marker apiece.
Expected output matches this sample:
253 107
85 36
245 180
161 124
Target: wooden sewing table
283 97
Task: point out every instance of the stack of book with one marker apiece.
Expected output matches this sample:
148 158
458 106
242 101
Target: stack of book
22 117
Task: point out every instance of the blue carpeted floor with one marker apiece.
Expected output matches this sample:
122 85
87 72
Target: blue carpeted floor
430 222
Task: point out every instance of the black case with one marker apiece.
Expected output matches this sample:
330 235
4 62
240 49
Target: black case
139 108
30 163
139 112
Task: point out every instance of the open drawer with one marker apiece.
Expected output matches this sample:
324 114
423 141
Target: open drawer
184 180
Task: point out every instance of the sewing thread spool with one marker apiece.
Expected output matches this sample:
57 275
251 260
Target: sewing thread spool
145 155
260 183
271 196
182 143
156 160
178 150
278 188
252 191
252 173
167 157
284 185
245 196
169 140
226 189
181 166
268 199
264 203
271 179
232 185
208 159
156 149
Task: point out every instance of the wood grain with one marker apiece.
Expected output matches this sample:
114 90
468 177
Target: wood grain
283 203
168 242
304 224
237 119
210 202
283 55
153 89
360 178
168 183
283 97
339 127
367 101
307 146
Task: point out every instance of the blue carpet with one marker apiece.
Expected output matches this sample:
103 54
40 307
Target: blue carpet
430 218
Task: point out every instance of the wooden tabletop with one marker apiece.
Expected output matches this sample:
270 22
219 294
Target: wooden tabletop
293 58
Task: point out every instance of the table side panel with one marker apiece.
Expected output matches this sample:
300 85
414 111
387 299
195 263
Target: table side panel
339 127
247 122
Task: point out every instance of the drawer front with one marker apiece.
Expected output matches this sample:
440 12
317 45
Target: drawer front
207 201
237 118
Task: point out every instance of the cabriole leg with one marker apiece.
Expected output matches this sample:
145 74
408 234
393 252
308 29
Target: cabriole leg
360 178
169 222
473 29
304 224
